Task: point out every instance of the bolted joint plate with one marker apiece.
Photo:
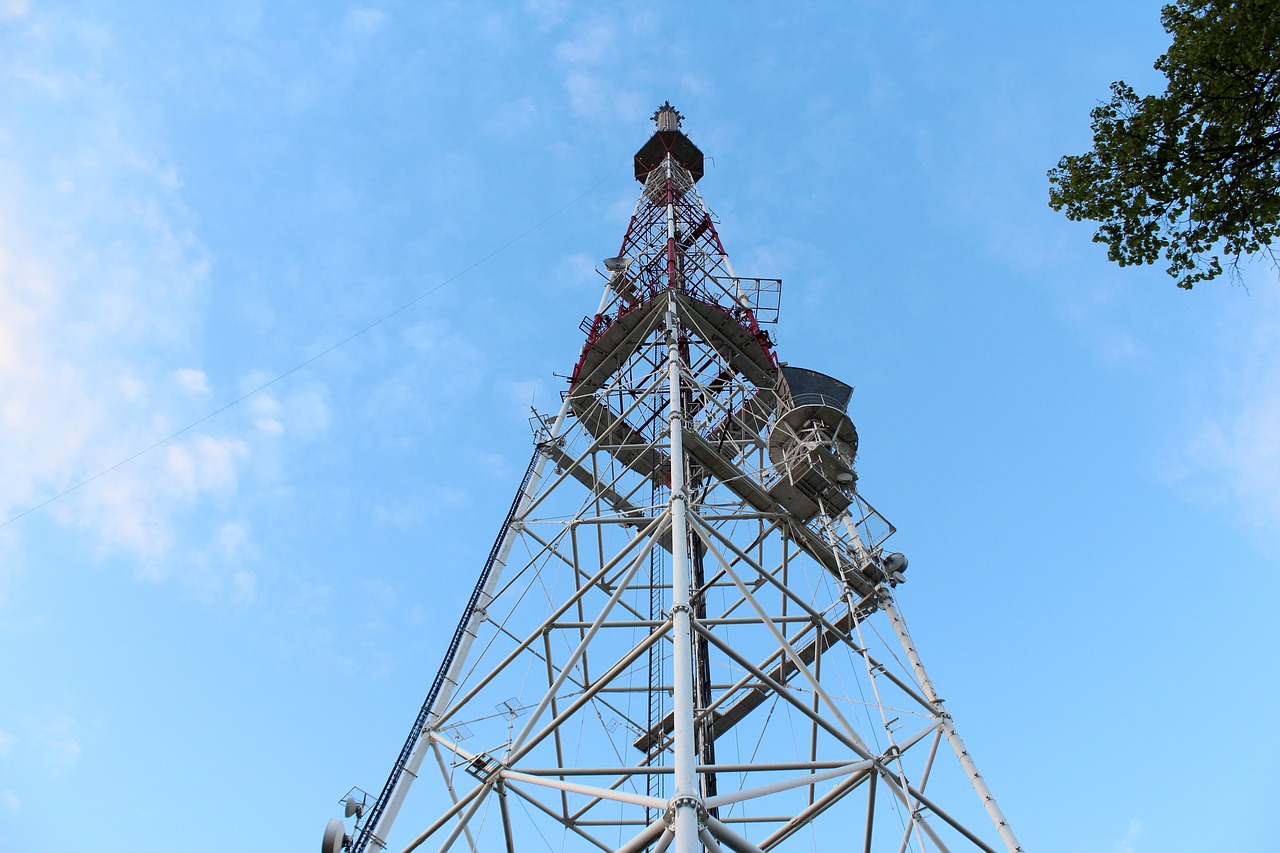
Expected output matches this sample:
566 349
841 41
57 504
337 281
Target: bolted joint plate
683 800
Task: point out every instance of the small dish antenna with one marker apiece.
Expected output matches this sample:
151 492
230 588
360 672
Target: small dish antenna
335 837
894 565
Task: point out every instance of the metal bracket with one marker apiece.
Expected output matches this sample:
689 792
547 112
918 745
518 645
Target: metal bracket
669 816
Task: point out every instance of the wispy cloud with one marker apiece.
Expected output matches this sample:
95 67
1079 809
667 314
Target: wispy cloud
102 283
547 13
244 587
1233 454
192 380
591 41
1128 842
1241 447
59 739
365 20
591 54
10 9
512 117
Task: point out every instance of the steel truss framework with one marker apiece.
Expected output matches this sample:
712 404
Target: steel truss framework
679 643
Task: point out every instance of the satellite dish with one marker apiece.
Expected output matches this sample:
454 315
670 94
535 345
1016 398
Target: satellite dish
895 562
616 264
352 806
335 837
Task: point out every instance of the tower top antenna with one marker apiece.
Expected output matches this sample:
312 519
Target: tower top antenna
668 140
667 117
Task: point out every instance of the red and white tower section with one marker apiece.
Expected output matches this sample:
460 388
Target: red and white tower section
686 636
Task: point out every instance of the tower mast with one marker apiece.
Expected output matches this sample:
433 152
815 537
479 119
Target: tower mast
740 701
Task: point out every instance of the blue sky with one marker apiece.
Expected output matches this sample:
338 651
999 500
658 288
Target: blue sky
211 643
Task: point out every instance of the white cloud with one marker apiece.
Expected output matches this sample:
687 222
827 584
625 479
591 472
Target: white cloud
698 85
102 285
307 411
265 409
547 13
205 464
192 380
66 750
1128 842
590 42
131 388
303 411
1243 448
218 572
595 60
366 21
595 97
60 741
6 743
10 9
244 587
232 539
1234 453
402 515
11 801
512 117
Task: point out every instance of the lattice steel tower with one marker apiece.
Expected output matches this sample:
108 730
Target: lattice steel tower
685 637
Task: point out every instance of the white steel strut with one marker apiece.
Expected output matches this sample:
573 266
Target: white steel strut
685 637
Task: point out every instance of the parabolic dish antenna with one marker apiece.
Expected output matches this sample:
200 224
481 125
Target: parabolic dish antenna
335 837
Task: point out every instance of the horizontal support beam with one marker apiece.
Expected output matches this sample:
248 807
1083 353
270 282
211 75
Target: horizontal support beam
701 768
653 623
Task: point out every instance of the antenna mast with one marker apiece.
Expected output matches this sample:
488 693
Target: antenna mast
686 635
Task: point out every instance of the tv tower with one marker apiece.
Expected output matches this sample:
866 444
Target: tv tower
686 636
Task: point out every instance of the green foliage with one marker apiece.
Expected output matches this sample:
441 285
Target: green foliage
1193 173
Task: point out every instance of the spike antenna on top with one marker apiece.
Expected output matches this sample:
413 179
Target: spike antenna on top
667 117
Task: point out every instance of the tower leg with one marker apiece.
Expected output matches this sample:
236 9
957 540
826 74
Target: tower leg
687 802
948 727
